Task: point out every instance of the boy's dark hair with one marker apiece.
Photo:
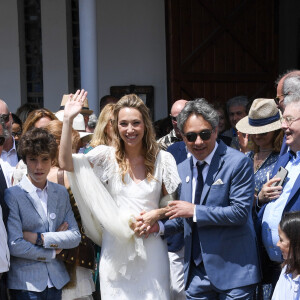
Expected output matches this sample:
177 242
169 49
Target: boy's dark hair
290 224
35 142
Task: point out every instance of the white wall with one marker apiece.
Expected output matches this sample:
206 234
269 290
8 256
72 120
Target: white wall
10 83
131 47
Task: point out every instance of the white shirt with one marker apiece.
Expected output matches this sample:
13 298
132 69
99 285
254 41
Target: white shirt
207 160
11 156
4 252
8 171
287 288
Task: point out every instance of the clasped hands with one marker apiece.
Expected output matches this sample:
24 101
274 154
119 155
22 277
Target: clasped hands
146 223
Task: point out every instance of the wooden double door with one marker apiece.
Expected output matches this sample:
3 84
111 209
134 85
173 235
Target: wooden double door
218 49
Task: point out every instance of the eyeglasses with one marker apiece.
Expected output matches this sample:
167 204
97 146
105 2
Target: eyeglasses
17 133
288 120
204 135
277 99
5 117
173 118
2 140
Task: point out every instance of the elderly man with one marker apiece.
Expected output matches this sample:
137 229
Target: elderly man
283 89
280 199
215 211
9 152
174 135
4 252
237 110
286 85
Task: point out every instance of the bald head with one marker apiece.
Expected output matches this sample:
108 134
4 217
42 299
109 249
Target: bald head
280 87
177 107
3 107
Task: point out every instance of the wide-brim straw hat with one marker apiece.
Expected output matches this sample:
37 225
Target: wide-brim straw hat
78 123
85 109
263 117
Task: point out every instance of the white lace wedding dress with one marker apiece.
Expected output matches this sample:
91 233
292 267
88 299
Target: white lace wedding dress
130 267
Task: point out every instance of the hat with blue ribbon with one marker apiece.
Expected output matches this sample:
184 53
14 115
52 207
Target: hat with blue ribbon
263 117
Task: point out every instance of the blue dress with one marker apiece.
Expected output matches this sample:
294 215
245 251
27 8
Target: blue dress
260 175
260 178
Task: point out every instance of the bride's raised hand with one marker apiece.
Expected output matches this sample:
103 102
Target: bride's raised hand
74 104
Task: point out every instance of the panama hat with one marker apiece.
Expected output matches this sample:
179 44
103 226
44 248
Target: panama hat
78 123
85 109
263 117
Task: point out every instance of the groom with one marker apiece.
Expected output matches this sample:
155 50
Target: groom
216 194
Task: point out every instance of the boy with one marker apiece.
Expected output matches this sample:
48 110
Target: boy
40 223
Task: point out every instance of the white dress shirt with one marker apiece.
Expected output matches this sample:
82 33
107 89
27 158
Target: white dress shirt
11 156
8 172
4 252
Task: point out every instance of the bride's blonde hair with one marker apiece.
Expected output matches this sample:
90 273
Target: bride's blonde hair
150 147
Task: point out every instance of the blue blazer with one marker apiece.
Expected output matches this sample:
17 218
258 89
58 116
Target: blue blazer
226 232
30 265
178 150
293 202
175 242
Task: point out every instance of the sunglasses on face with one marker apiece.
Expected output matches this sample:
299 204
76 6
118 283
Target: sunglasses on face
5 117
174 119
204 135
2 140
17 133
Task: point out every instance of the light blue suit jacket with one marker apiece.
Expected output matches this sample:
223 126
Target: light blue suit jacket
30 264
226 232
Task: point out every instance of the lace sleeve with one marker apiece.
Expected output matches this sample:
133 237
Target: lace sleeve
170 175
104 164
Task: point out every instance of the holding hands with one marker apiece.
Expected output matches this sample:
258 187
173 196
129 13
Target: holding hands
146 223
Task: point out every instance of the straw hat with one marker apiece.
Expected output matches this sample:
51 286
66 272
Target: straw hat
263 117
85 109
78 123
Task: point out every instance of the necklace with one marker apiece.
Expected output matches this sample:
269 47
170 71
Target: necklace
265 150
260 159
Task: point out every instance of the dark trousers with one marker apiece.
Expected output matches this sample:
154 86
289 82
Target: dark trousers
47 294
3 287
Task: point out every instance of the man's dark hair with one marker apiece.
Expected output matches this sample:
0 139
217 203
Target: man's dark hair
237 101
35 142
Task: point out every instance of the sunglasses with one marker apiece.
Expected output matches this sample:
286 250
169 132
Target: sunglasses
2 140
204 135
5 117
18 133
173 118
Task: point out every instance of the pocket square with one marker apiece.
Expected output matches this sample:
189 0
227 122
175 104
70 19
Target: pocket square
218 182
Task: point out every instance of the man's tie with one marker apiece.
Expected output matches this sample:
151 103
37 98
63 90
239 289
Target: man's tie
196 251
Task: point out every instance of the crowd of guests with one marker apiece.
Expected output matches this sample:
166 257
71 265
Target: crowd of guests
208 209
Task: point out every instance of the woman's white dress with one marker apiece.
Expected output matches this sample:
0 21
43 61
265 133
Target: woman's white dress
133 268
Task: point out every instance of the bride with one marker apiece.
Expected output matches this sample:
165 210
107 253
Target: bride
124 181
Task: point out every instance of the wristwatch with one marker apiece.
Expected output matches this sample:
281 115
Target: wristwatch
39 241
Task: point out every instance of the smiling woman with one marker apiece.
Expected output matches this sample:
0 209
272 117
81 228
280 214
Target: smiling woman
135 174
